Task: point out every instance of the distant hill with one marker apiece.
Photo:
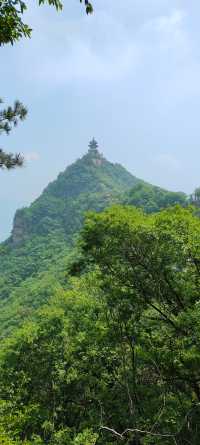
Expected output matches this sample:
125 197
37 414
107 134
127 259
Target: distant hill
35 256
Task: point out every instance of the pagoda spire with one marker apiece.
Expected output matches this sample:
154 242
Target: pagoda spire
93 146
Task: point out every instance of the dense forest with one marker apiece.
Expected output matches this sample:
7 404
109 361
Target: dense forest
99 310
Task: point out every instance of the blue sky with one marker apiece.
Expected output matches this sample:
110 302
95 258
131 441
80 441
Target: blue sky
128 75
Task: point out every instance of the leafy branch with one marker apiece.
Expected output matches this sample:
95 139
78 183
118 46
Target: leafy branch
88 6
12 27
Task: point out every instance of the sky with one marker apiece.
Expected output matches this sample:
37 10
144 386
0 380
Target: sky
129 75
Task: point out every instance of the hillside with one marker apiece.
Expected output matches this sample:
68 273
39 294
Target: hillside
90 183
43 235
44 232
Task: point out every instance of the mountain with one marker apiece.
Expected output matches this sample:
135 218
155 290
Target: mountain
35 258
43 234
90 183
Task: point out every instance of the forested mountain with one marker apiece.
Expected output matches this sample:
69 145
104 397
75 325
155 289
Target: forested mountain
90 183
44 234
45 231
99 318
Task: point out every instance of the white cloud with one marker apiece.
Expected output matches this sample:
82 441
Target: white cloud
170 22
96 49
31 156
168 31
106 47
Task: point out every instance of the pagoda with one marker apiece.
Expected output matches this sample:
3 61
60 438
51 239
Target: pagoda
95 156
93 147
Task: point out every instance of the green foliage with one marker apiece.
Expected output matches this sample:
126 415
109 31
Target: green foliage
112 354
12 27
88 6
43 233
84 369
5 439
152 199
150 277
195 199
9 117
55 390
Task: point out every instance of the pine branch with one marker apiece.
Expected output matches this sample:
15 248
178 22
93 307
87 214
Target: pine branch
10 160
9 118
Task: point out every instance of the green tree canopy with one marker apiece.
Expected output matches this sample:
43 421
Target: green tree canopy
114 357
150 276
12 27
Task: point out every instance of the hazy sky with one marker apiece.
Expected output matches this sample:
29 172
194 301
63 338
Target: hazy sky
128 75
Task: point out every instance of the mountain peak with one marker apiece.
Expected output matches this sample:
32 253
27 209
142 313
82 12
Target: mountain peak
90 183
94 153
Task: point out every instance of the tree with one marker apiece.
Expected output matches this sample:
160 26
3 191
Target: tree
195 197
12 27
150 276
55 398
9 118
